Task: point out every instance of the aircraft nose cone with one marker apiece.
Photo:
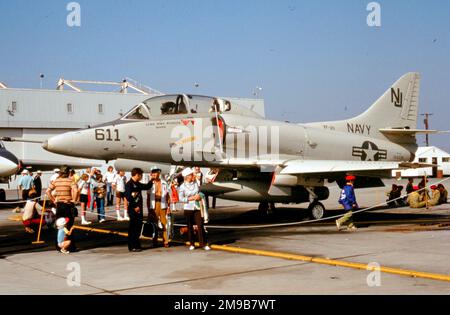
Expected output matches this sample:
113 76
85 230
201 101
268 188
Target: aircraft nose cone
61 144
9 164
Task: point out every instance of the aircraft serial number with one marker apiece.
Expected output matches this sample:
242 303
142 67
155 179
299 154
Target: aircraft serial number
107 135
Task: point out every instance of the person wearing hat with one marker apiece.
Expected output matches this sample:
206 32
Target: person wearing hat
435 196
25 184
63 236
189 194
416 199
158 202
63 192
54 176
133 194
37 183
348 201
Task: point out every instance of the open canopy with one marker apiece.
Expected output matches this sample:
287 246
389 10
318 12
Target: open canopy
180 104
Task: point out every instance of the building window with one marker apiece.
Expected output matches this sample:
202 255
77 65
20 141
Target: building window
423 160
14 106
70 108
100 108
446 160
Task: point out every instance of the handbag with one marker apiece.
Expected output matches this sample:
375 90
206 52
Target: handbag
148 230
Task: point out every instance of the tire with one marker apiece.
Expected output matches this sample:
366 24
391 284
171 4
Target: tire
317 211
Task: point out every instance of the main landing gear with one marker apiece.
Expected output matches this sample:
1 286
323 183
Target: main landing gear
266 207
316 209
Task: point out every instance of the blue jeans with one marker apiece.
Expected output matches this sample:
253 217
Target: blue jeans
109 194
100 208
91 195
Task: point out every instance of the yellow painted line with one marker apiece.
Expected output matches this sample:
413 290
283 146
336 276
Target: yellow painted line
287 256
332 262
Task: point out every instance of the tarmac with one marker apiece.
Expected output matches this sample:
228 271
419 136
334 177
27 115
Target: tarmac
401 238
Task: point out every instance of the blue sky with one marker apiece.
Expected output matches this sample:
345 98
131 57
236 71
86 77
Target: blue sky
315 60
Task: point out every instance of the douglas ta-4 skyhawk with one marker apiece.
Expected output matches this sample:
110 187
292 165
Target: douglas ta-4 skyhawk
260 160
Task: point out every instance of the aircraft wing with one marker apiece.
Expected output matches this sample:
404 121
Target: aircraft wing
51 165
330 167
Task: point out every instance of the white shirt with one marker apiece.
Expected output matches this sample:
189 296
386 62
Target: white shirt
83 185
120 182
54 177
110 176
29 210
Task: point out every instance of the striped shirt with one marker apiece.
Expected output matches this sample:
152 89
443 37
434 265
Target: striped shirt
63 188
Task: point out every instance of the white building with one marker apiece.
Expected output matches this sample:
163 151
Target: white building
428 155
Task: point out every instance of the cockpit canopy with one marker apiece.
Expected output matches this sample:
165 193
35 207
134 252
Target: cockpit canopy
177 105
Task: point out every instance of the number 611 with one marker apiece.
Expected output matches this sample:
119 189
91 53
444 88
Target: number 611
107 135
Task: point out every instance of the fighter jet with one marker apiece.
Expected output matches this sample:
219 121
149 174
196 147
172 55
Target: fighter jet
259 160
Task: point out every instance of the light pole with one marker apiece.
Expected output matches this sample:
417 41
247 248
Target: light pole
41 79
257 91
427 126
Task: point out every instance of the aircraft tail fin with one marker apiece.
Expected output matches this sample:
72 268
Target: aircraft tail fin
396 109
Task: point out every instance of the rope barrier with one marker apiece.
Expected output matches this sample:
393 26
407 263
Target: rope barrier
18 202
267 226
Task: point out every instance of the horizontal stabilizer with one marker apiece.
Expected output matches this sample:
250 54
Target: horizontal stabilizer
410 132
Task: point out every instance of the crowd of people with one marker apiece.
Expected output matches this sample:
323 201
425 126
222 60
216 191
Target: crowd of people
417 196
164 194
93 190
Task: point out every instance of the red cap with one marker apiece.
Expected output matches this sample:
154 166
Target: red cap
416 188
433 187
350 178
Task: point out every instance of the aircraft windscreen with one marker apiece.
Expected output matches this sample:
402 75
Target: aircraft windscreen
167 105
185 104
139 113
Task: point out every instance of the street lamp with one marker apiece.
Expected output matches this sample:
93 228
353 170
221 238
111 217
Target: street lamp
41 78
257 91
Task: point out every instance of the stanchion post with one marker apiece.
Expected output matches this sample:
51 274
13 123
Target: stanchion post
38 241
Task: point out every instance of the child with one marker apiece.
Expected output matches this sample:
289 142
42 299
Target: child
100 194
119 185
62 236
83 188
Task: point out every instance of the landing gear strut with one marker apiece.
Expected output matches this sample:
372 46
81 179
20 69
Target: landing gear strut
266 207
316 209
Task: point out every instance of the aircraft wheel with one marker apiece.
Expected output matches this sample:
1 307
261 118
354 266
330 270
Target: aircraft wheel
317 210
263 207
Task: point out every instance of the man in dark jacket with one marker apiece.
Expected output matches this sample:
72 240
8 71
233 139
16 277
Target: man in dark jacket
37 183
133 194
